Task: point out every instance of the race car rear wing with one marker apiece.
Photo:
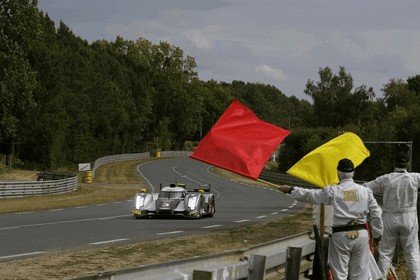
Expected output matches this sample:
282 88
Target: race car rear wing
173 185
202 188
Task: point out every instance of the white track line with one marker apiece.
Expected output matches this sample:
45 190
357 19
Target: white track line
212 226
21 255
169 232
108 241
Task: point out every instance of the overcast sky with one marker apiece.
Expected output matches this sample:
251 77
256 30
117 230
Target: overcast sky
278 42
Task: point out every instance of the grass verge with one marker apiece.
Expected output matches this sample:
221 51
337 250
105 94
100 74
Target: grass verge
112 182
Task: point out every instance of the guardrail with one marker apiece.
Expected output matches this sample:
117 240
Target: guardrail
56 183
257 262
49 176
47 183
284 179
134 156
116 158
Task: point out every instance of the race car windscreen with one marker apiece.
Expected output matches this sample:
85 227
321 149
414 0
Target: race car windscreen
171 195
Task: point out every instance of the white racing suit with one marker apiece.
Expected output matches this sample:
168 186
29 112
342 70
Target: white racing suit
347 257
399 190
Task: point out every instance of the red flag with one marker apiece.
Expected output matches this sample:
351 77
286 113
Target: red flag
240 142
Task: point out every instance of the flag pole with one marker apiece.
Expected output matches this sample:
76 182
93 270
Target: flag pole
320 234
322 224
322 220
285 189
281 188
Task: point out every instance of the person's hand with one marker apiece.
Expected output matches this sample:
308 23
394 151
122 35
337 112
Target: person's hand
376 243
285 188
352 234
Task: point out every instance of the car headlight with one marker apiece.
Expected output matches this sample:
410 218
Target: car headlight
139 201
192 202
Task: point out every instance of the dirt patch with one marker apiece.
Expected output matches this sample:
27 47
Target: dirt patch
18 175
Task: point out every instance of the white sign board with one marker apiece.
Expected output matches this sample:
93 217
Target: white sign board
84 167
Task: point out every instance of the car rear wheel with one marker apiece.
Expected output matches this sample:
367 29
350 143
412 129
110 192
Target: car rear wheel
212 209
200 209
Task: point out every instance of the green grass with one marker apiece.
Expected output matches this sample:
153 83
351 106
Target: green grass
112 182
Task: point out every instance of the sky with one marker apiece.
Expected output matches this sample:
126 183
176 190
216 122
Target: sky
283 43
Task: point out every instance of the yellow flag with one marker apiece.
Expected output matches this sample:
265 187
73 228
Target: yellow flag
319 167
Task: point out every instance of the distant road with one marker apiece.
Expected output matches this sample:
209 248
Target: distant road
32 233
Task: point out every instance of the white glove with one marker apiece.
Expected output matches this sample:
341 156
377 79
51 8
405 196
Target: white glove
352 234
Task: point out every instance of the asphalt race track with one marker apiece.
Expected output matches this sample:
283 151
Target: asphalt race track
32 233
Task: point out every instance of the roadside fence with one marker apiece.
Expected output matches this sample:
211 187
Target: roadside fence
285 258
47 183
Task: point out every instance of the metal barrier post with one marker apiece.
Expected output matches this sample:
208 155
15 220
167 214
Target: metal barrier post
257 267
202 275
294 255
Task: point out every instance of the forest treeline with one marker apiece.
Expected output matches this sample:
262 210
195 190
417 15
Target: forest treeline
66 101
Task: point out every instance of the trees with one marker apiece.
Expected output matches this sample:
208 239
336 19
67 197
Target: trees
414 84
335 102
171 86
18 29
66 101
402 104
397 94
